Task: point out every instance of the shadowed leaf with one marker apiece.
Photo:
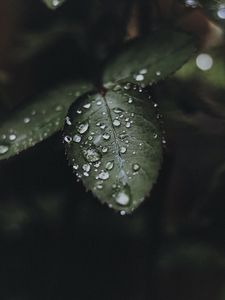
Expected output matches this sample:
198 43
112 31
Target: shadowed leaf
150 59
39 119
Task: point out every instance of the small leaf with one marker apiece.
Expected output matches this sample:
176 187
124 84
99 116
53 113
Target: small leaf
150 59
113 143
39 119
53 4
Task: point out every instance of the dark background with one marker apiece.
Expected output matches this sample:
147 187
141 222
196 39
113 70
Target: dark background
56 240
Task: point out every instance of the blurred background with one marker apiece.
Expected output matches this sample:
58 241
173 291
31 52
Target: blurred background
56 240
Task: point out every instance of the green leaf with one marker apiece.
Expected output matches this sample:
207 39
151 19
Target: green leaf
53 4
39 119
150 59
114 145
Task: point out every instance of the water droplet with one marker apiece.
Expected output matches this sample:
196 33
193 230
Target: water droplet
68 122
123 213
79 112
86 167
59 108
75 167
116 123
122 198
86 174
139 77
130 100
109 166
91 155
128 124
136 167
123 150
163 140
143 71
105 149
106 136
155 135
77 138
67 139
103 175
158 73
55 3
99 102
3 149
127 86
103 126
12 137
97 140
87 105
26 120
97 165
82 128
118 110
99 187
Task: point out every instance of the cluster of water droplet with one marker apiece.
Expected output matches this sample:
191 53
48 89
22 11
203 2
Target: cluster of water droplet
100 141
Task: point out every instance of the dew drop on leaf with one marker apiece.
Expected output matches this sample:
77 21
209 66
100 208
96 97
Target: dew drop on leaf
87 105
91 155
117 110
139 77
105 149
136 167
123 150
68 122
3 149
59 108
82 128
106 136
109 165
67 139
122 198
86 167
116 123
75 167
12 137
103 175
26 120
143 71
77 138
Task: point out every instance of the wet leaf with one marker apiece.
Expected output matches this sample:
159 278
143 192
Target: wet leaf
150 59
53 4
39 119
113 144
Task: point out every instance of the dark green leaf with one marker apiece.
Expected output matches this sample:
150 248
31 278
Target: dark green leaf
150 59
114 145
39 119
53 4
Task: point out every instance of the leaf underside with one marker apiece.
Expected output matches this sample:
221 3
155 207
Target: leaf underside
38 120
150 59
114 146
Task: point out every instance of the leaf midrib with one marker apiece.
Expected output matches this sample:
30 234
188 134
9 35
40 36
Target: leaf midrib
119 157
